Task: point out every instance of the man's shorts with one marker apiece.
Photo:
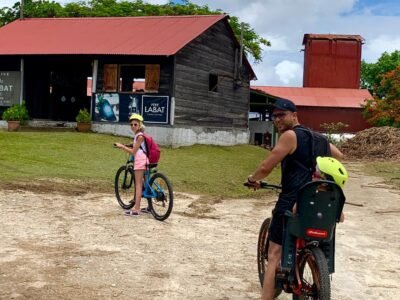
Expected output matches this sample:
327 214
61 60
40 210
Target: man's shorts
276 227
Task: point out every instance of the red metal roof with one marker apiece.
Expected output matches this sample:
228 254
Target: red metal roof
322 97
312 36
161 35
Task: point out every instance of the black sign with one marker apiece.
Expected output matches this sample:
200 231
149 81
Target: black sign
115 107
10 87
155 109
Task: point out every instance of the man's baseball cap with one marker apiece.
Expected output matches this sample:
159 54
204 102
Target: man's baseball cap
283 104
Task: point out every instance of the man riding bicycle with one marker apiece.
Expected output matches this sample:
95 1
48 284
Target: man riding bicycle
293 152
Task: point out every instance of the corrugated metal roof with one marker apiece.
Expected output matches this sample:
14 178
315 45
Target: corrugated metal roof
313 36
161 35
322 97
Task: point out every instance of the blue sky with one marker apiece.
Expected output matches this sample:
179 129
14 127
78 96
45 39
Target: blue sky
284 23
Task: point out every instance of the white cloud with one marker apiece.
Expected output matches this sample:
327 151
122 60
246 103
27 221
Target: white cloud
278 43
289 72
380 44
265 73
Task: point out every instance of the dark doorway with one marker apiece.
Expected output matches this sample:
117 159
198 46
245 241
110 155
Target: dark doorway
56 88
68 92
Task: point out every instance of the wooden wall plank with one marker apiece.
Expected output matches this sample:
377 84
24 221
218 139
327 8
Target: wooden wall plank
212 52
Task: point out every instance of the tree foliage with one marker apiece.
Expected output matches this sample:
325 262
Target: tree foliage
386 111
252 42
372 73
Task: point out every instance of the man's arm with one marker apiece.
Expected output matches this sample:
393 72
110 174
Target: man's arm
287 144
336 152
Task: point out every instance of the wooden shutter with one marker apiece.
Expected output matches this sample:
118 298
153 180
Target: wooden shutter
110 77
152 78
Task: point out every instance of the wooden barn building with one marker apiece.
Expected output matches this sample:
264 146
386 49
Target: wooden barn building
331 87
182 73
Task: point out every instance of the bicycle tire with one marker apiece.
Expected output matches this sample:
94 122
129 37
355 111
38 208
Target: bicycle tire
161 205
317 286
262 253
125 190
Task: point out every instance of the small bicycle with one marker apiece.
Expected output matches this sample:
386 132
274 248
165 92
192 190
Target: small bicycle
157 189
308 248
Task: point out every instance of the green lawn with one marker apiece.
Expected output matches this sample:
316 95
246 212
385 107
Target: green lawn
91 161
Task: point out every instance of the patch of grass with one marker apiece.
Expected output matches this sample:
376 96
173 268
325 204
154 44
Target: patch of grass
213 170
91 159
390 171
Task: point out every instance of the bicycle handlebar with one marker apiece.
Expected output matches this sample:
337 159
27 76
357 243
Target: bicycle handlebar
126 145
264 185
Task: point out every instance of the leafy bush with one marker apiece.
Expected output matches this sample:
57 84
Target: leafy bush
385 111
16 112
83 116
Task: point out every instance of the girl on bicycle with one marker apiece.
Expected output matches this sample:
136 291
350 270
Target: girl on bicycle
138 151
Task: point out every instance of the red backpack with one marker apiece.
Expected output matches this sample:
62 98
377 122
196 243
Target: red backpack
153 151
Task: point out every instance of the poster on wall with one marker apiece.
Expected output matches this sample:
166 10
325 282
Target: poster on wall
114 107
10 87
155 109
106 107
129 104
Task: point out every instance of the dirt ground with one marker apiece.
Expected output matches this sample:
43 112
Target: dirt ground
81 246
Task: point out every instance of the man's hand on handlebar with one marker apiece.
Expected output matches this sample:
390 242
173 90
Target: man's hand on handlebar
252 184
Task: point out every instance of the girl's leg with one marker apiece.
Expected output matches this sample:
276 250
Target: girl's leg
138 189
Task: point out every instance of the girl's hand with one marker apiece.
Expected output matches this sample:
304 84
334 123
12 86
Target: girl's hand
119 145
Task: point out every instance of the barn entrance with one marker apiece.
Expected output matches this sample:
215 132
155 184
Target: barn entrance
56 88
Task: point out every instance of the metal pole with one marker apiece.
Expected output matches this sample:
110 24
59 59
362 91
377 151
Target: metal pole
241 51
22 69
21 10
94 85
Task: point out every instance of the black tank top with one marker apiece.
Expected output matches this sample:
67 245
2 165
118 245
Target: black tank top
296 168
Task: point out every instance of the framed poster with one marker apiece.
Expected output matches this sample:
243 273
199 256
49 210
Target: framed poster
129 104
10 87
106 107
155 109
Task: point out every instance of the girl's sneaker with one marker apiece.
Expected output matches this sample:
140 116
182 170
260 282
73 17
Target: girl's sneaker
131 213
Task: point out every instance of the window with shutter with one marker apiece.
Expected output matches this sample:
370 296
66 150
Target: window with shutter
152 82
110 77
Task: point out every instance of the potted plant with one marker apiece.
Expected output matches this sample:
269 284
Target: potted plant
83 120
16 115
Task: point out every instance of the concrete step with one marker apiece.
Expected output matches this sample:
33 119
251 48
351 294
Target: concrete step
46 129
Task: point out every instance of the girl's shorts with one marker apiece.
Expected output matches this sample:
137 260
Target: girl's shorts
141 161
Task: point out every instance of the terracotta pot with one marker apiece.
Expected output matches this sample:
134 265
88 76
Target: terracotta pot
13 125
83 127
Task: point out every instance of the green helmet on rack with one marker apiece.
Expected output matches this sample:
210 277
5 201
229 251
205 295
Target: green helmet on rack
333 170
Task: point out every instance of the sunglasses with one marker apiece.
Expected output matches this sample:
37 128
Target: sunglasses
279 115
134 125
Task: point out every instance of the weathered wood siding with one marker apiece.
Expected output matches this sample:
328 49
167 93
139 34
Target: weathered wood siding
212 52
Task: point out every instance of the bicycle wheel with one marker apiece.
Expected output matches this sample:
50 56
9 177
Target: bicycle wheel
262 253
161 205
124 186
314 275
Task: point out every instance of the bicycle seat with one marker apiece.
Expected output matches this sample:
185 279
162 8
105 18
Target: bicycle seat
319 205
151 166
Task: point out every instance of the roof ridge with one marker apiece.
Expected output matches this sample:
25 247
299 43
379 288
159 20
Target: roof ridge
127 17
